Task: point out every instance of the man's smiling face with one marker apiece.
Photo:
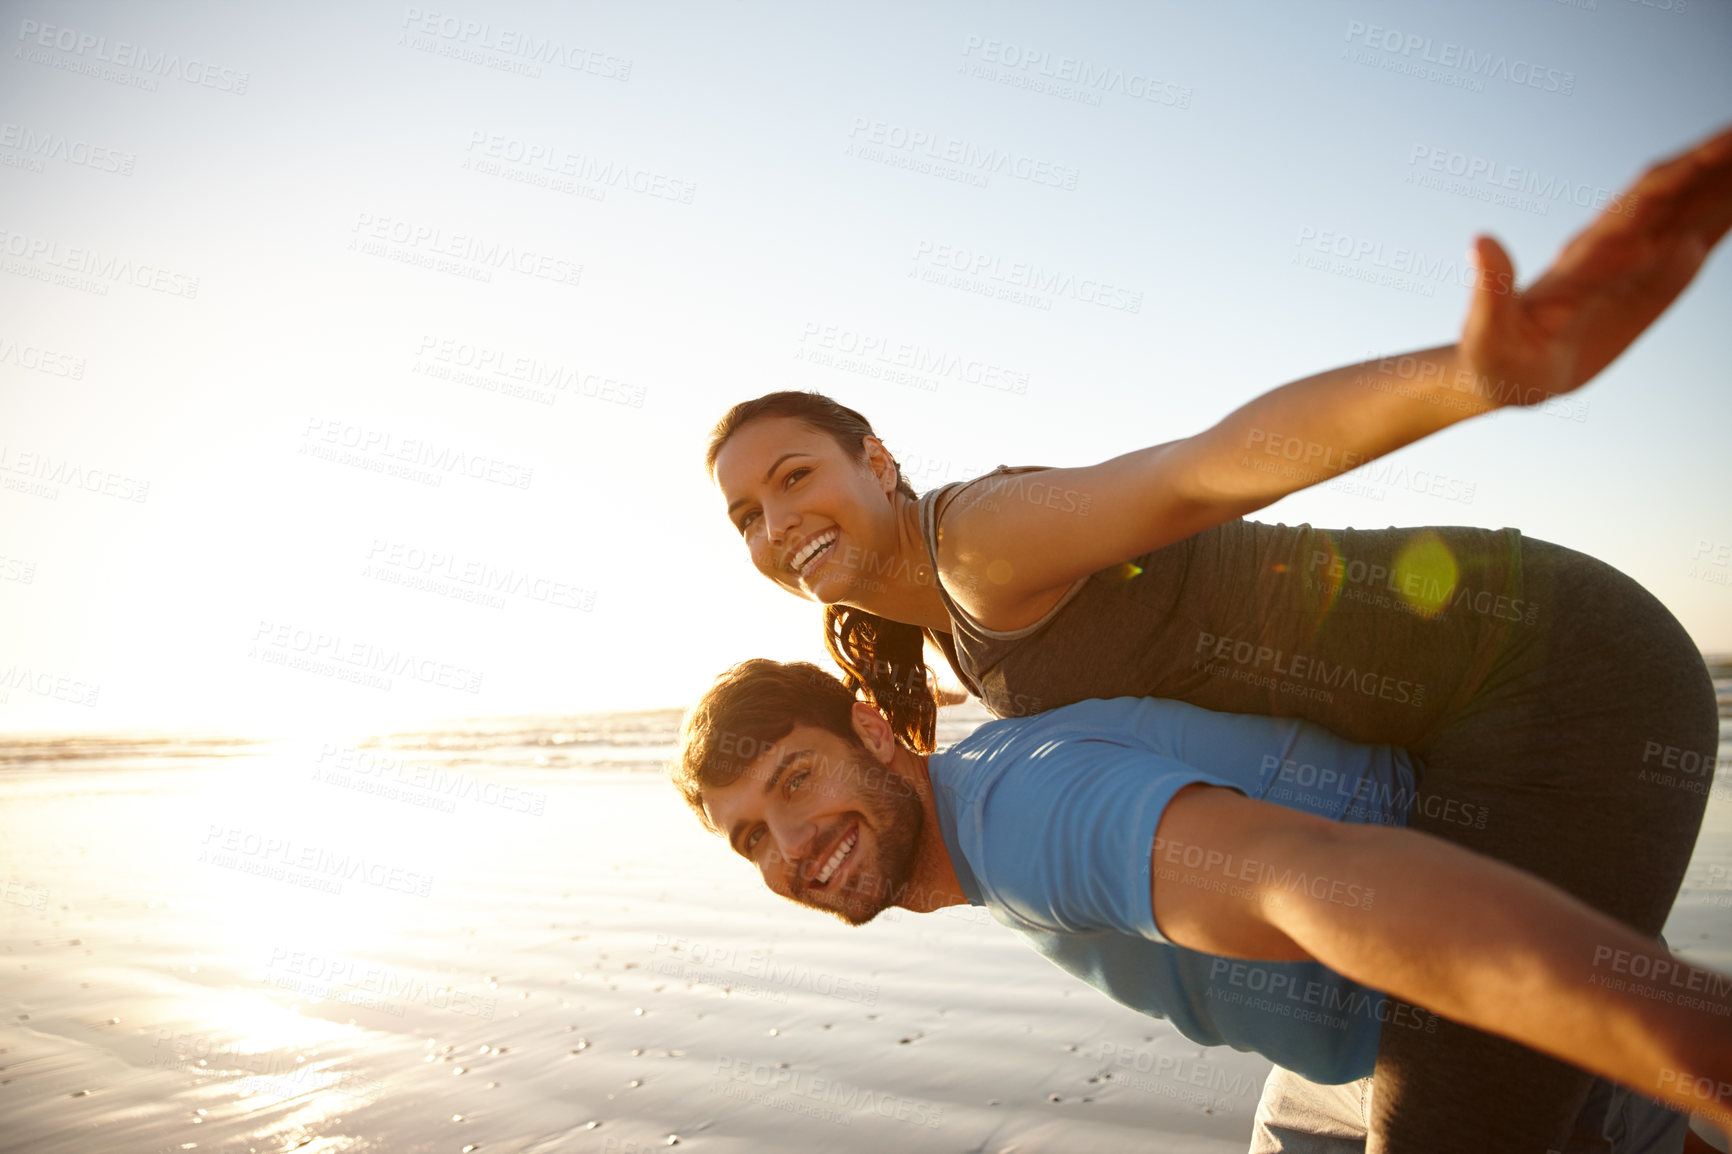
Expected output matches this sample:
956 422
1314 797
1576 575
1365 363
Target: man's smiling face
827 824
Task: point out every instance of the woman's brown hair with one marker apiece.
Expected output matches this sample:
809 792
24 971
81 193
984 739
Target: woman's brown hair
884 660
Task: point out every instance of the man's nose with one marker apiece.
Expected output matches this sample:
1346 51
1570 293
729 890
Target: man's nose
795 835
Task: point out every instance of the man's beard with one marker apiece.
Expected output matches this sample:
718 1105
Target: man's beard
892 806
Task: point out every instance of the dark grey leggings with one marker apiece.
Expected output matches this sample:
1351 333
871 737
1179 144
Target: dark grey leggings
1574 748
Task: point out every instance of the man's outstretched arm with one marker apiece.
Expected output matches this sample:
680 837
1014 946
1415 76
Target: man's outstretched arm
1467 937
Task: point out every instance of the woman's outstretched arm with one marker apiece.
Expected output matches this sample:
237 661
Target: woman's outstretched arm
1517 348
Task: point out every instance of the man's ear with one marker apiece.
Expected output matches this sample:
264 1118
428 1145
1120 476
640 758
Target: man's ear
873 731
881 463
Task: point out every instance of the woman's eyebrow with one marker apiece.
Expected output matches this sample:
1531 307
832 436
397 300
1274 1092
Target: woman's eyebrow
768 473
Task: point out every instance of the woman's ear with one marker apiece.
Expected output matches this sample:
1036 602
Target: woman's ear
881 464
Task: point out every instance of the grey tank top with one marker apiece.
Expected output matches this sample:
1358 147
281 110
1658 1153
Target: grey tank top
1378 635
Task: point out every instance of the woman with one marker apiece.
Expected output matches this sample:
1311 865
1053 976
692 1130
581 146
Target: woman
1550 698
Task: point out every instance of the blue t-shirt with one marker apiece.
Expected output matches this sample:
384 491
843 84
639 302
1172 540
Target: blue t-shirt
1050 820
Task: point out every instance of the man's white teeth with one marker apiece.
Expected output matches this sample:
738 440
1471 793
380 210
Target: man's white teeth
835 861
811 549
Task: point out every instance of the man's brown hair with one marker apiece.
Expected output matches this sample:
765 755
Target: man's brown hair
751 707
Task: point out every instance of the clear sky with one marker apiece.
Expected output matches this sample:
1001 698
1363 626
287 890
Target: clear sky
305 307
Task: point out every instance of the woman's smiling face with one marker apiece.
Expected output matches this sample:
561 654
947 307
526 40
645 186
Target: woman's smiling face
812 515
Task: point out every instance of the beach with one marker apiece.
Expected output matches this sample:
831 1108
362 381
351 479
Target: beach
365 530
512 937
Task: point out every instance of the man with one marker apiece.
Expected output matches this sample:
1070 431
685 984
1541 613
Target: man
1124 839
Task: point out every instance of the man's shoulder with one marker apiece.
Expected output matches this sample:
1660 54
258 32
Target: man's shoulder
1041 751
1054 814
1129 720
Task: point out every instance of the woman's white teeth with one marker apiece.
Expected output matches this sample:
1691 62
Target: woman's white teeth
811 550
835 861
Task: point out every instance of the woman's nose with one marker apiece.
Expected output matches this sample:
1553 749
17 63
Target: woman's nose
779 522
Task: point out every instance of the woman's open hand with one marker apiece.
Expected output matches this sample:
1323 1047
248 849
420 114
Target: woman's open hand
1011 552
1605 288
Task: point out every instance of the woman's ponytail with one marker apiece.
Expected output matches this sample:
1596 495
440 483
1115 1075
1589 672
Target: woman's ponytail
885 661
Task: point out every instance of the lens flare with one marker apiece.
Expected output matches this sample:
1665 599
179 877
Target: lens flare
1327 573
1425 574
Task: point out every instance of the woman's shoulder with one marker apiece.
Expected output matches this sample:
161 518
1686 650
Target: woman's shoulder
974 491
